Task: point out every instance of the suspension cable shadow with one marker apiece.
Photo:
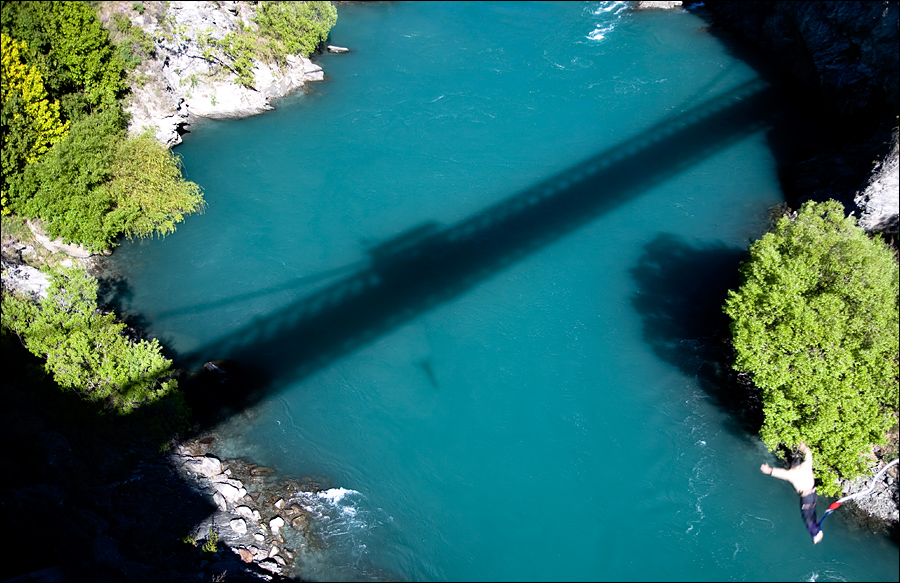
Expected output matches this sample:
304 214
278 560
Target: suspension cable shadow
434 265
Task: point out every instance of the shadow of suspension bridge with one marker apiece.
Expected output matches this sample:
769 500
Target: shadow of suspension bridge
430 265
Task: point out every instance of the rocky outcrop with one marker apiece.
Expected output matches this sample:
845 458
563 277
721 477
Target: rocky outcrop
879 202
191 78
880 509
255 518
650 5
847 56
25 279
845 52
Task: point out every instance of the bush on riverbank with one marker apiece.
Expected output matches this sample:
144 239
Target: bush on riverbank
815 322
92 184
86 350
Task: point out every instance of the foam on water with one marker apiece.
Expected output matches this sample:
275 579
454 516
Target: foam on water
341 528
611 12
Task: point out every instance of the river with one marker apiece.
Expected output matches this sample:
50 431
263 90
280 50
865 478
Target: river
481 265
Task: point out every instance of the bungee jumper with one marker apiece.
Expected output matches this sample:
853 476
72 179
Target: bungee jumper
801 478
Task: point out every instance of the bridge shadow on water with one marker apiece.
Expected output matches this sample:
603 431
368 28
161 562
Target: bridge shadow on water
682 289
430 265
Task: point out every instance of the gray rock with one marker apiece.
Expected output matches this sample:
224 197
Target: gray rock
879 203
57 245
275 524
846 52
25 279
229 492
657 5
247 513
206 466
270 565
186 82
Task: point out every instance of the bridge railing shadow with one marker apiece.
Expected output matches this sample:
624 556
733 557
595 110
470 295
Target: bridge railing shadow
429 265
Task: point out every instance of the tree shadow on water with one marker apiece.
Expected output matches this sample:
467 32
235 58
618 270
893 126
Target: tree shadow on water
682 291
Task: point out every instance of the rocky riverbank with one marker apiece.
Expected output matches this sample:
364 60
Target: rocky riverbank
261 517
191 76
843 59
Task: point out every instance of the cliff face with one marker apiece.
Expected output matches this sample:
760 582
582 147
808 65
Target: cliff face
846 52
847 55
192 76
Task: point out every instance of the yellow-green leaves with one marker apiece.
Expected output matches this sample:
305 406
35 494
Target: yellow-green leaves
148 192
30 120
26 81
815 322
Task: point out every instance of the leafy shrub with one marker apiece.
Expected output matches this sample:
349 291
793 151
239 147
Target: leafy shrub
295 28
815 322
85 350
97 184
67 43
148 192
30 122
133 44
211 545
65 188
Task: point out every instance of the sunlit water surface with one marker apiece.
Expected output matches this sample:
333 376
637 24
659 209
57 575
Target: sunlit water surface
543 415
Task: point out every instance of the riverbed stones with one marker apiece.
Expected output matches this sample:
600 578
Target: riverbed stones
206 466
253 508
238 525
275 524
245 555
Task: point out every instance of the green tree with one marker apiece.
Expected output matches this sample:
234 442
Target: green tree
84 349
97 184
295 28
30 123
815 323
149 195
66 188
66 41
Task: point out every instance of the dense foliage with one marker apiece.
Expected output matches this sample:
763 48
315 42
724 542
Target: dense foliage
70 47
815 322
85 350
93 184
295 28
33 120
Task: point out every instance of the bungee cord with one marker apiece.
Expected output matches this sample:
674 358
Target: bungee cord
837 504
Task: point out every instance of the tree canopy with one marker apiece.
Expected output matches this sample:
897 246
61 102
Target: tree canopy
295 28
73 166
84 349
30 122
67 43
815 323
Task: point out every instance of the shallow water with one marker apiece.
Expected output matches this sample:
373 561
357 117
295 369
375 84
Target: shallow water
481 263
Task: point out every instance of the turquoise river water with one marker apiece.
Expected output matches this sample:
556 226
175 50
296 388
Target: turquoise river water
480 265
